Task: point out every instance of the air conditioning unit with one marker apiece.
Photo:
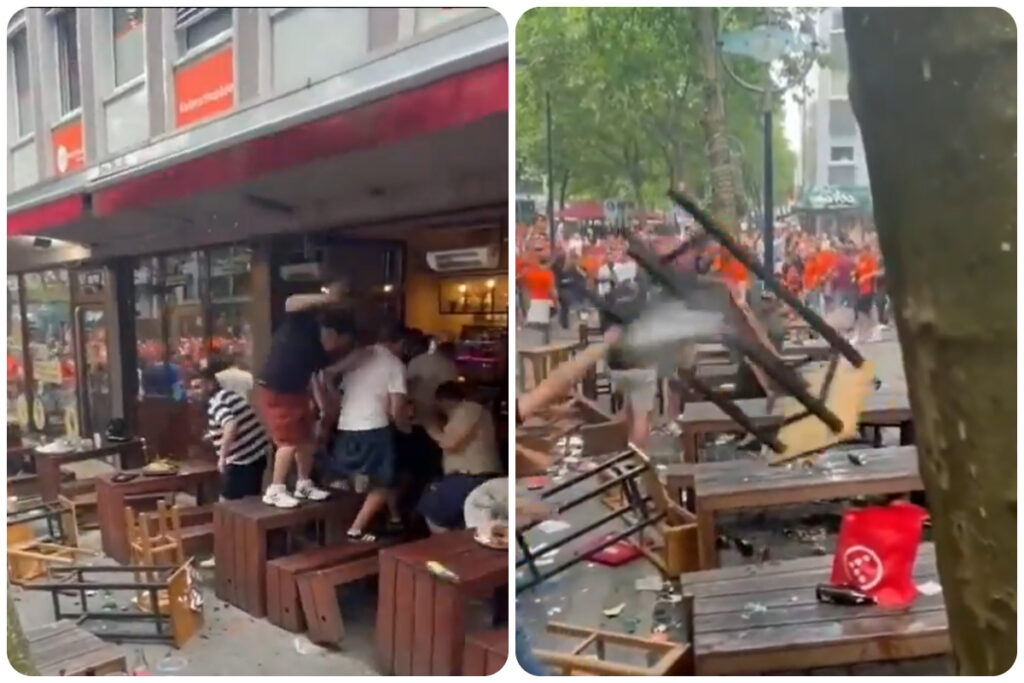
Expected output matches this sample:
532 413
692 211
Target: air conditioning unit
478 258
312 271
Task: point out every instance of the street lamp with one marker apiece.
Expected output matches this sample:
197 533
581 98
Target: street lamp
769 44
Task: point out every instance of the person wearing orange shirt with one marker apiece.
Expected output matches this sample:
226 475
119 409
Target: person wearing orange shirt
539 284
865 272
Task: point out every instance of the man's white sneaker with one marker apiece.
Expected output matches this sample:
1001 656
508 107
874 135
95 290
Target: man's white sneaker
279 498
306 490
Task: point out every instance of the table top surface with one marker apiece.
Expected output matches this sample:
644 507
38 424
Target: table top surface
744 610
105 449
757 408
253 507
833 467
458 552
186 469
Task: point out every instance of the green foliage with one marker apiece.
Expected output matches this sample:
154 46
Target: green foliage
624 88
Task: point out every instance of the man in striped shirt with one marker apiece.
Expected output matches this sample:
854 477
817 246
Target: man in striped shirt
237 435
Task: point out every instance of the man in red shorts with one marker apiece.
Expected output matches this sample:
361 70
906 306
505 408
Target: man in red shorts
301 347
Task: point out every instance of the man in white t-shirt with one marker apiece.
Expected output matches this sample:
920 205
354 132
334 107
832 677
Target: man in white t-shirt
373 404
425 373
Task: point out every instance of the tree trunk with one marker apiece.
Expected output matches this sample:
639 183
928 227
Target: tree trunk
17 648
935 92
723 194
563 191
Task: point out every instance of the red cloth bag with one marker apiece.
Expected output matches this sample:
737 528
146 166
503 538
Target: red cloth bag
876 552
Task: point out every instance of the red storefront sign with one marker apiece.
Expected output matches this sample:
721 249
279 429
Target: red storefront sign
68 152
205 88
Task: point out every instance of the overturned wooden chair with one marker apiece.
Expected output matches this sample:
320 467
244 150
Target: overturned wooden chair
673 659
30 556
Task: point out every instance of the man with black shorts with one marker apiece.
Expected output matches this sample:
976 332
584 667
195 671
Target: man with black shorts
373 405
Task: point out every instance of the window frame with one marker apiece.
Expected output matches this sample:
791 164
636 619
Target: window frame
832 157
19 30
187 53
56 18
128 84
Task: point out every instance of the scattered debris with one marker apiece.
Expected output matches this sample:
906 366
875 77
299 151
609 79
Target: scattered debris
649 583
442 572
722 542
615 611
553 611
766 554
304 646
855 458
553 526
169 665
819 550
631 624
755 607
745 547
929 588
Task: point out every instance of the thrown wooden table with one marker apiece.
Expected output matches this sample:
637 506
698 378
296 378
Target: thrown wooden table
704 419
242 545
199 477
542 359
791 630
421 618
129 454
815 351
750 483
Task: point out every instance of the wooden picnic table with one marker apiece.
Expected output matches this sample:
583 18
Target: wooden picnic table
130 455
421 618
197 476
751 483
790 630
242 543
704 419
542 359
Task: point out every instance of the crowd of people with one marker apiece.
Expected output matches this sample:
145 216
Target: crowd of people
828 272
391 419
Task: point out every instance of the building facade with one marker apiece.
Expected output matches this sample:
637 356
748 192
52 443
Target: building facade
831 149
175 173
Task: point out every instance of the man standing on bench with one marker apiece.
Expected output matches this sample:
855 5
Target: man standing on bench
300 348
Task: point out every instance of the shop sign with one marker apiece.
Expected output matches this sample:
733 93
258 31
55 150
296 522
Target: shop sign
69 154
205 88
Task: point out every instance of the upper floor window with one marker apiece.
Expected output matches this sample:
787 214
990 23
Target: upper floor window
129 56
17 55
199 25
65 24
841 153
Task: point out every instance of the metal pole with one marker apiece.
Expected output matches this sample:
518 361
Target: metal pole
551 176
769 210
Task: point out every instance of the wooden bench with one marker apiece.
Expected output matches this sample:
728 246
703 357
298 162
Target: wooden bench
751 483
283 606
26 484
129 455
421 618
63 649
486 652
792 629
318 593
242 531
704 419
